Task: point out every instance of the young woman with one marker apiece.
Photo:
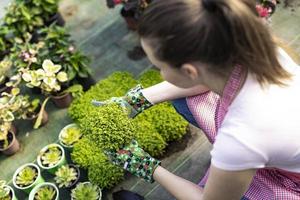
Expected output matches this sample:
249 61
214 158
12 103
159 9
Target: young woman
229 78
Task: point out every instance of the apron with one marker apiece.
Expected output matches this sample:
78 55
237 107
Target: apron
209 110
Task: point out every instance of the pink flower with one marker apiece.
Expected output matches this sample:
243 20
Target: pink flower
262 11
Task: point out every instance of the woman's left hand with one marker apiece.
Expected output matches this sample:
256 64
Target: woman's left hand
135 160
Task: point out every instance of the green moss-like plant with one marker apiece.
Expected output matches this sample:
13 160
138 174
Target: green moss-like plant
149 139
170 125
108 126
87 153
106 175
115 85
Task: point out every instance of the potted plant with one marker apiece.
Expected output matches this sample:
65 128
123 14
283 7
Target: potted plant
9 144
5 66
62 50
27 177
51 157
85 191
67 176
48 11
69 135
50 79
44 191
21 19
34 110
6 192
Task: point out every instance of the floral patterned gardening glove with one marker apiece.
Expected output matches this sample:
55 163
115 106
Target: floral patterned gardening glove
133 102
135 160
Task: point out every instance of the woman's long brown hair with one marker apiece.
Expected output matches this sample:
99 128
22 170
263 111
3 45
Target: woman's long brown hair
220 33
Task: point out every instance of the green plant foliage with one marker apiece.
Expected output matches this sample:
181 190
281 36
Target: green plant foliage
149 78
170 125
108 126
65 176
86 153
84 191
26 176
45 193
115 85
104 127
106 175
149 139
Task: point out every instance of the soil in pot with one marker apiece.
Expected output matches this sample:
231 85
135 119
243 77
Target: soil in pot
62 101
57 19
13 146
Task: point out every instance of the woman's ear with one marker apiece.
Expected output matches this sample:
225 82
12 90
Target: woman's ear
190 71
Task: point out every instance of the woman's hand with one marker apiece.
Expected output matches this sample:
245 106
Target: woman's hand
135 160
133 102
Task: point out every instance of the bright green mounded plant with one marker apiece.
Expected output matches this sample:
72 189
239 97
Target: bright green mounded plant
45 193
106 175
108 126
4 191
26 176
51 156
65 176
86 153
84 191
71 136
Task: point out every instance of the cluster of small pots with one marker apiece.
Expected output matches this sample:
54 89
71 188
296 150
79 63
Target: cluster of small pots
34 170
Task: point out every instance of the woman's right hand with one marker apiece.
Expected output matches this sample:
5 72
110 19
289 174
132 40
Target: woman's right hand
133 102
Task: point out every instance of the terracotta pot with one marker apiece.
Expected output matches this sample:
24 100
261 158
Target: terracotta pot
14 145
57 18
13 129
62 101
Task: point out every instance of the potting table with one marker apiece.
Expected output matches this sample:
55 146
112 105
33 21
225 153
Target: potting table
102 34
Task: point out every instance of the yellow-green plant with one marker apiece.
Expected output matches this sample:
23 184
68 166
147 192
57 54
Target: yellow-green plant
65 176
4 191
71 136
51 156
45 193
84 191
26 176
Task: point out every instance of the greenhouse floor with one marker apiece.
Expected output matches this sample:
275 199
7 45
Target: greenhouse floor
102 35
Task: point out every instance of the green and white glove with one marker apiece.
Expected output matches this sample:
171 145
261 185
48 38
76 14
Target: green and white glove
135 160
133 102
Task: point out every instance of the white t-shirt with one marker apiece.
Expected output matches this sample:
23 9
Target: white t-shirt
262 126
